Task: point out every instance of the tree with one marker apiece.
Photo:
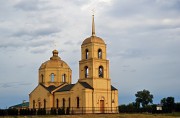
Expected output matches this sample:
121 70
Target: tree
168 103
144 98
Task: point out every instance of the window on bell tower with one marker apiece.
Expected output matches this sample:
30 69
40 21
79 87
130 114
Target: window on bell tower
100 54
52 77
87 53
100 71
86 72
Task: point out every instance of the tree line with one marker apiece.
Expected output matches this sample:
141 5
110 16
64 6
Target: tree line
144 103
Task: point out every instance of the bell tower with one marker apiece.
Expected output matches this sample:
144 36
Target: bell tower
94 66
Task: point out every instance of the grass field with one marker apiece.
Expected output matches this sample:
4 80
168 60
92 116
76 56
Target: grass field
176 115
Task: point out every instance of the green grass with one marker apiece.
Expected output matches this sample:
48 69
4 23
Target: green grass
173 115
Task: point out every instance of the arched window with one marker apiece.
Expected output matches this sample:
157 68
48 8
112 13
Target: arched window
63 103
87 53
39 104
69 102
52 77
33 104
42 78
100 54
64 78
57 103
77 102
86 72
44 103
100 71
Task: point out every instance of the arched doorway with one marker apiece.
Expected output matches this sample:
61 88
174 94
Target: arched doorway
101 106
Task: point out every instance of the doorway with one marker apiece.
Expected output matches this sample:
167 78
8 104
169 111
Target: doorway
101 106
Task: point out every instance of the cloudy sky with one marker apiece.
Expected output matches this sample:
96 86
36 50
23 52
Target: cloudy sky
142 37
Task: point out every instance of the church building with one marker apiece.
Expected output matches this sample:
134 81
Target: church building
92 93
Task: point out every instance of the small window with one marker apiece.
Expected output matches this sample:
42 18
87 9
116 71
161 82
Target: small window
86 72
100 54
77 102
52 77
63 103
69 102
44 103
42 78
33 104
39 104
100 71
87 53
64 78
57 103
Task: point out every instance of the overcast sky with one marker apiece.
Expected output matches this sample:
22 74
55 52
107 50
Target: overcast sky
142 37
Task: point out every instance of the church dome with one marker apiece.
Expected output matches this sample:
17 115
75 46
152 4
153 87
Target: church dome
54 62
93 39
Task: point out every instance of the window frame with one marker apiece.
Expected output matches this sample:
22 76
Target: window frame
101 75
86 54
99 53
52 77
86 70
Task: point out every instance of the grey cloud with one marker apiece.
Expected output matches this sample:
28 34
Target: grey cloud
28 5
40 42
142 8
68 43
80 2
21 66
131 53
173 5
37 32
11 43
75 51
38 51
79 43
13 84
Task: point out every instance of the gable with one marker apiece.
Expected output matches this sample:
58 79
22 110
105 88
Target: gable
38 89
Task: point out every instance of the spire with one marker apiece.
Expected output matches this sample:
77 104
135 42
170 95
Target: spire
93 26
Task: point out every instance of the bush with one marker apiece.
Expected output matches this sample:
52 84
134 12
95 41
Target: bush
61 111
12 112
3 112
41 112
53 111
33 112
68 111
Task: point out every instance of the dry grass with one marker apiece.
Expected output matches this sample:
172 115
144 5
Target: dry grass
100 116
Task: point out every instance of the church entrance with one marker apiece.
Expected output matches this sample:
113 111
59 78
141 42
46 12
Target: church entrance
102 106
